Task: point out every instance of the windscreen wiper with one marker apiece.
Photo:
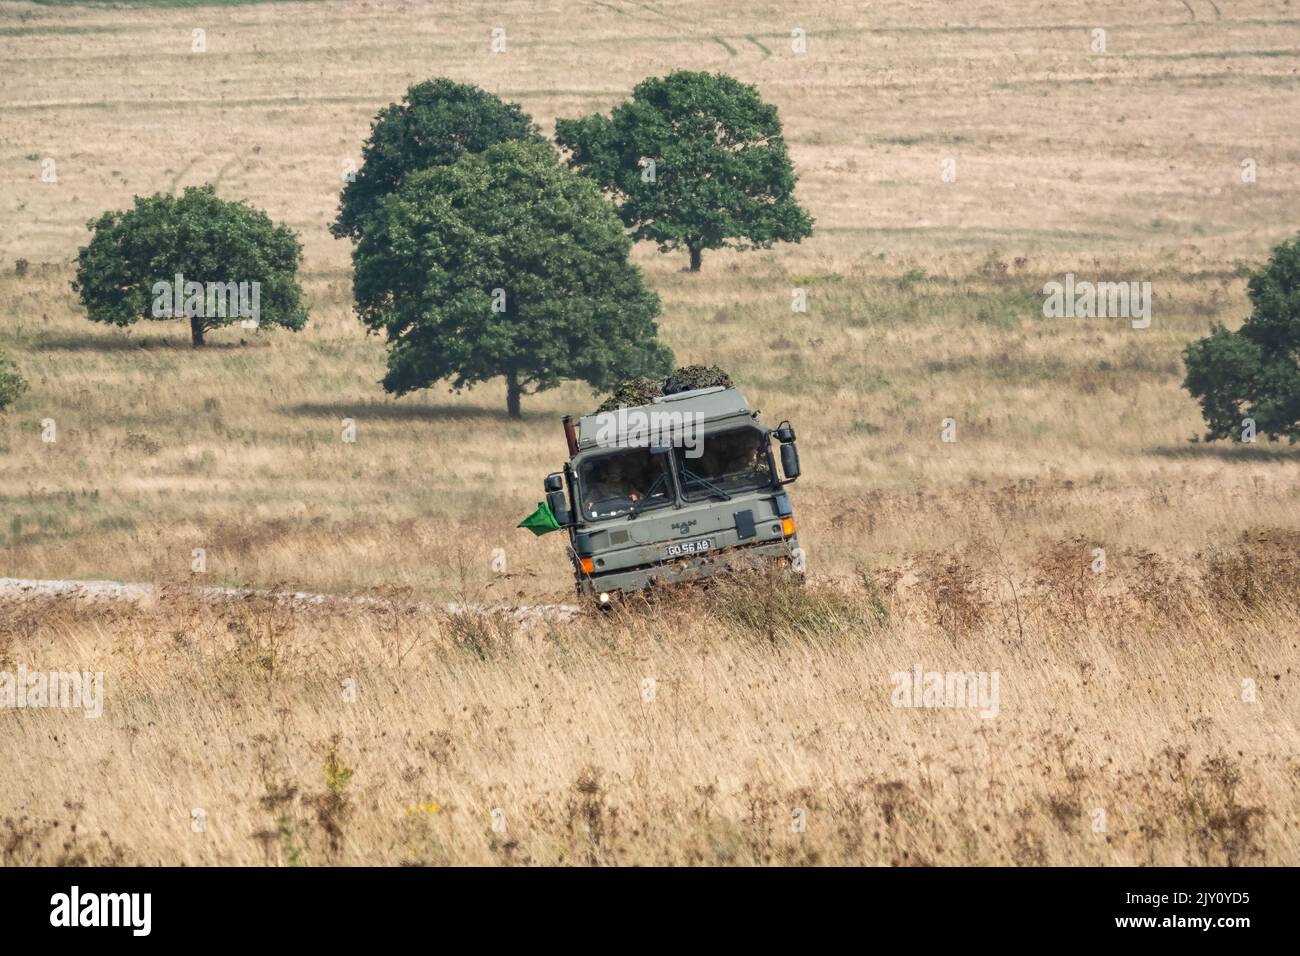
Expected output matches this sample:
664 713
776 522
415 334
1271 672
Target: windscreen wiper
691 476
636 505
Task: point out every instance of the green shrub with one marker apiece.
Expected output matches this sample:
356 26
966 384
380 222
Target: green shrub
11 383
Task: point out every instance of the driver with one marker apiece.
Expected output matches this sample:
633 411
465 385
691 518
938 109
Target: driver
612 485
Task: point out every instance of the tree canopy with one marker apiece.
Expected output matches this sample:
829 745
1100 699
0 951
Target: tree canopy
504 263
694 160
436 122
194 256
1254 372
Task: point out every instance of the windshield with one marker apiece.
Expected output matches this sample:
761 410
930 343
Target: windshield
732 461
616 484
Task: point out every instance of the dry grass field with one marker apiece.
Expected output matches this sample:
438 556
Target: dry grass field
699 731
1122 691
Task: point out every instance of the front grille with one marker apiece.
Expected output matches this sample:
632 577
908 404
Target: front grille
628 569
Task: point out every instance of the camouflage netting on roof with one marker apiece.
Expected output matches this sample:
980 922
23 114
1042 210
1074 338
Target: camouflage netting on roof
696 376
643 391
637 391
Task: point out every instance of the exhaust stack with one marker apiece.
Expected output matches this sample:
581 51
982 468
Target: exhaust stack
570 435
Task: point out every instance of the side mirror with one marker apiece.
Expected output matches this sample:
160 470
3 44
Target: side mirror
790 461
554 482
559 507
784 434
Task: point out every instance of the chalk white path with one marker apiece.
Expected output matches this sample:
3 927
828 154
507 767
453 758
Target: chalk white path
23 589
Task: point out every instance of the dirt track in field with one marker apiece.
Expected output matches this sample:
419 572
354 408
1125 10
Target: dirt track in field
25 589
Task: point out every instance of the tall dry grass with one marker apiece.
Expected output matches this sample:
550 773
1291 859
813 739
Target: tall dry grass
698 729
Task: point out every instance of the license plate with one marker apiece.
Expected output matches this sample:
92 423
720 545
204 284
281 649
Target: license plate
698 546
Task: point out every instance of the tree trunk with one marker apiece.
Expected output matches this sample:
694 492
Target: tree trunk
695 257
512 395
196 331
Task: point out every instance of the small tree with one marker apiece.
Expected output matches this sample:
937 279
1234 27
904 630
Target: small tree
694 160
11 383
436 122
1254 372
195 256
504 263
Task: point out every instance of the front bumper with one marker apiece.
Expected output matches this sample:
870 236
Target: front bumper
689 569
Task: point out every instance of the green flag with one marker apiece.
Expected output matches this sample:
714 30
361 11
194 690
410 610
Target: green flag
540 521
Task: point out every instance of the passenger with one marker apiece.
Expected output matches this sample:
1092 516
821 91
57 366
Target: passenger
755 461
744 459
747 459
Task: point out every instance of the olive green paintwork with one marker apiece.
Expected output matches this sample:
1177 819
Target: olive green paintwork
630 553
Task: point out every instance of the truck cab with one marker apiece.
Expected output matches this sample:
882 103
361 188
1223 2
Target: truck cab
673 491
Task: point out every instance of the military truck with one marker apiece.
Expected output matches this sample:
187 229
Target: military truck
675 490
